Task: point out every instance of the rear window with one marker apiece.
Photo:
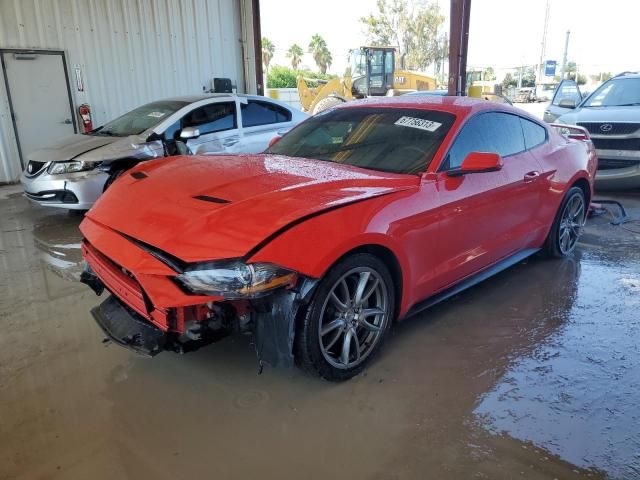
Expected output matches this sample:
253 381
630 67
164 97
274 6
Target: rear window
534 134
394 140
256 113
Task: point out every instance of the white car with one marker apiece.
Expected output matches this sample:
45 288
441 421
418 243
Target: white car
73 173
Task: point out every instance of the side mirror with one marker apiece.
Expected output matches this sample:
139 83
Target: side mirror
568 103
478 162
274 140
188 133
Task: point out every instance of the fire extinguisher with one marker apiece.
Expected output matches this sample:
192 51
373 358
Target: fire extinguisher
85 115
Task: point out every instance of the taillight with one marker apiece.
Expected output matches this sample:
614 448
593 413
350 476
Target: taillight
572 131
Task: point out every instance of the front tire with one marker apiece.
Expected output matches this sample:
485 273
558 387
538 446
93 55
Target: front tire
348 318
568 224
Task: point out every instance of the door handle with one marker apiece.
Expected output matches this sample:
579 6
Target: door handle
229 142
282 132
531 176
67 121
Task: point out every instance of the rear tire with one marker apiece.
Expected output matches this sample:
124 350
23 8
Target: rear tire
568 224
347 319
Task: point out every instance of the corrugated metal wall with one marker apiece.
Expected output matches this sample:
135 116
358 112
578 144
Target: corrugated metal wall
129 51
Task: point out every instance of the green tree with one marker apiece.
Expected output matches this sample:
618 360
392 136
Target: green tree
570 70
528 77
509 81
295 53
268 50
285 77
582 79
411 26
321 54
489 74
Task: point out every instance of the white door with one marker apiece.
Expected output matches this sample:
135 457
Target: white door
39 95
218 125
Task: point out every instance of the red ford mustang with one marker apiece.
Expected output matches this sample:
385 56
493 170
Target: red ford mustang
361 215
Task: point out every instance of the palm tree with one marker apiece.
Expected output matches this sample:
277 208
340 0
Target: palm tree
268 49
295 53
321 54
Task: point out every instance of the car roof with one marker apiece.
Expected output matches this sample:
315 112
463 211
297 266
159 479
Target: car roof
627 75
206 96
457 105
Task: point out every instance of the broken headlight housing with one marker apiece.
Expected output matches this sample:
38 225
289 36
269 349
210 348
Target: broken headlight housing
57 168
234 279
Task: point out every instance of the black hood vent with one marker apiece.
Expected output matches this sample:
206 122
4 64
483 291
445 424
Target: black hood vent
207 198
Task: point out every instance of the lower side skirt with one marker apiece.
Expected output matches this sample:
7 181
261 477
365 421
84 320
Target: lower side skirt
471 281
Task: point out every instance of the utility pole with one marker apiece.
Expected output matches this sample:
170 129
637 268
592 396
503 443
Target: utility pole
564 57
543 48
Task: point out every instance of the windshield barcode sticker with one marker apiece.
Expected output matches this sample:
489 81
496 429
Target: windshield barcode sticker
420 123
156 114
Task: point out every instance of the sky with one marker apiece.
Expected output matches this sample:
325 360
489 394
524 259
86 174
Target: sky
504 33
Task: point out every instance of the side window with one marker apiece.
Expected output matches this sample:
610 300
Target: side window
256 113
534 134
211 118
487 132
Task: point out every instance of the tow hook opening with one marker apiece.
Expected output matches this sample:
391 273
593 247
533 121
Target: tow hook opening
91 280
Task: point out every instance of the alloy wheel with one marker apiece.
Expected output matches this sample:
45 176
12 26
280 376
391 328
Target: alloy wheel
571 223
353 317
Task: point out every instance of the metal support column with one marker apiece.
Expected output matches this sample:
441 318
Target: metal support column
458 46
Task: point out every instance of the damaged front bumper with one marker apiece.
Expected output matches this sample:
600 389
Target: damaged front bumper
270 319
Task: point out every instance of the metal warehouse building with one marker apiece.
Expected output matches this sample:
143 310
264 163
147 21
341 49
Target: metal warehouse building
112 55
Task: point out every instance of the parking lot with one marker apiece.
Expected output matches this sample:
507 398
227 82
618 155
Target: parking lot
531 374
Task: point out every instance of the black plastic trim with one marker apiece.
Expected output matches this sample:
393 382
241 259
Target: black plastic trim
471 281
207 198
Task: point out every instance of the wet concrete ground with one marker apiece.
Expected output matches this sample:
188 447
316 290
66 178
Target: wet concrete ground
533 374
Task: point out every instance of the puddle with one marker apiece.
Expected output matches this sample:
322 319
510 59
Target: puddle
578 393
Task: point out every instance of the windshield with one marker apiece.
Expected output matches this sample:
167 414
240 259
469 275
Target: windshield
619 92
140 119
398 140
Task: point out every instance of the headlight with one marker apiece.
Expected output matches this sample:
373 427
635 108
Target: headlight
234 279
57 168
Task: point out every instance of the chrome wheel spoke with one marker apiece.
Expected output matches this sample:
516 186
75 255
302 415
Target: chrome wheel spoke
362 283
369 292
357 344
346 347
340 305
370 326
331 326
335 338
367 312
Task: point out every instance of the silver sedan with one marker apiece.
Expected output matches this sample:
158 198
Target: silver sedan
73 173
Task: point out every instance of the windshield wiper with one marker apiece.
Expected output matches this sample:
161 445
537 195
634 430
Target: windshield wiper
635 104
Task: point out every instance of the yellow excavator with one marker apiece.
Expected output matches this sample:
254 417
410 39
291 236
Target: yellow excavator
373 73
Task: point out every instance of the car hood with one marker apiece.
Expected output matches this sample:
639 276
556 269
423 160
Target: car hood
200 208
70 147
96 148
601 114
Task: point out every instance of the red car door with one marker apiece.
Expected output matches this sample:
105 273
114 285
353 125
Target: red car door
486 216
